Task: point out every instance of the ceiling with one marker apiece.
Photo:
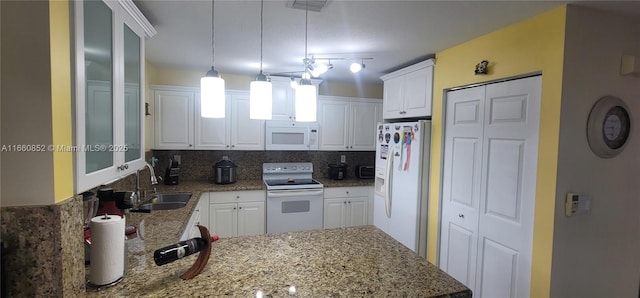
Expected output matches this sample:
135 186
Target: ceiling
394 33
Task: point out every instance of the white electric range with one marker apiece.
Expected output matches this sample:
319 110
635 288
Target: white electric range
294 198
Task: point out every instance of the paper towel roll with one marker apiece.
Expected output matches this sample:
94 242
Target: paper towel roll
107 249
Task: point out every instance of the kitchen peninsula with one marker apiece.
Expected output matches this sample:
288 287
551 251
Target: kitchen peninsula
354 261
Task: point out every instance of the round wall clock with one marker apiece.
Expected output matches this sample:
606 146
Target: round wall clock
608 127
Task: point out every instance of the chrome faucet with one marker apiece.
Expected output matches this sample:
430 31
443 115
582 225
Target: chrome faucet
154 181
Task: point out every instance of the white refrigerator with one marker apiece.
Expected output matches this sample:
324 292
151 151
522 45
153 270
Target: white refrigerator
402 182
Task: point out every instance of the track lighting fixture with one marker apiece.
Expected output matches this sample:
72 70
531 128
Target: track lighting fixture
356 67
318 66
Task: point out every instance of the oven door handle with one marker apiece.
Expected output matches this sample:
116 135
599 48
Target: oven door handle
293 193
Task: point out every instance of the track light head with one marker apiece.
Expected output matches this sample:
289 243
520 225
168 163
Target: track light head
356 67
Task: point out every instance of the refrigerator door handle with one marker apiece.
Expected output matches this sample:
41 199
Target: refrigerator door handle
388 182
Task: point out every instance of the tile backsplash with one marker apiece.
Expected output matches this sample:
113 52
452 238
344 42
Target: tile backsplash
198 165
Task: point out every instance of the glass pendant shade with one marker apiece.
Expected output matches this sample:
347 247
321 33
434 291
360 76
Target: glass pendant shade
212 98
306 102
260 100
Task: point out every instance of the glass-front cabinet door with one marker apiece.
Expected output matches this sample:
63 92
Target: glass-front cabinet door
133 103
99 99
109 92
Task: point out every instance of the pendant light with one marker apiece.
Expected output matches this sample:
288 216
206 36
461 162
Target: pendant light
260 90
306 96
212 98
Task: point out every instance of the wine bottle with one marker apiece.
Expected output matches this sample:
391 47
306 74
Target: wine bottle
180 250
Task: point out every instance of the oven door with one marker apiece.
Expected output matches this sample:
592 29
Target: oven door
294 210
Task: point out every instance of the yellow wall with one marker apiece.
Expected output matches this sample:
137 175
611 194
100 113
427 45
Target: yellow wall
534 45
61 97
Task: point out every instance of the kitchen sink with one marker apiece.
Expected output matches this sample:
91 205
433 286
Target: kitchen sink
166 201
180 197
162 206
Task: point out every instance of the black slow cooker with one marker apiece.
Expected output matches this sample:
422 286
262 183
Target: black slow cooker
337 171
224 172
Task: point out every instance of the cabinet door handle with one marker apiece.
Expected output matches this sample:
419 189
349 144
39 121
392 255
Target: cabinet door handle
239 207
237 197
190 145
461 215
227 146
233 146
234 208
345 202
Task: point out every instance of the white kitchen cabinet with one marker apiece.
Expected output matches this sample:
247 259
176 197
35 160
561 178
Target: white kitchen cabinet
174 113
346 206
178 124
109 64
237 213
200 216
283 95
283 107
244 133
348 123
408 92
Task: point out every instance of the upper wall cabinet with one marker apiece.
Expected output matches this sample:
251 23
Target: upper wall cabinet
178 124
408 92
283 107
109 91
348 124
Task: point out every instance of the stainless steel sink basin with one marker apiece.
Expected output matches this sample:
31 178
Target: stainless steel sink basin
166 201
162 206
169 197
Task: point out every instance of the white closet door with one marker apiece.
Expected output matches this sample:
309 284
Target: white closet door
461 183
512 118
491 142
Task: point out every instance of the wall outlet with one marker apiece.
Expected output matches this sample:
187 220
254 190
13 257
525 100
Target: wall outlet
343 158
176 158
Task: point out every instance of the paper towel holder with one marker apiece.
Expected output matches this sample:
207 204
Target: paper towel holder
97 287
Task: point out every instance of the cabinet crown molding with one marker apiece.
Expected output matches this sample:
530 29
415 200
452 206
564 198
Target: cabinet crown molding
408 69
139 17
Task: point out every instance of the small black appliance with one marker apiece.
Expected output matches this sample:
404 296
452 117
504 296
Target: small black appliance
337 171
224 171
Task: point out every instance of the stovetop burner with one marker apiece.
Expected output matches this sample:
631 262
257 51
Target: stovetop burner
293 175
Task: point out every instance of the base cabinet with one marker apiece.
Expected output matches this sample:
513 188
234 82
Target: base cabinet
238 213
346 207
200 216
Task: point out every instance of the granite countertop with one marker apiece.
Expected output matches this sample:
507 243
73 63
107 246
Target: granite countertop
355 261
346 182
164 227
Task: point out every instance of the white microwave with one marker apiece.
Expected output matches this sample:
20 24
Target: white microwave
291 136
